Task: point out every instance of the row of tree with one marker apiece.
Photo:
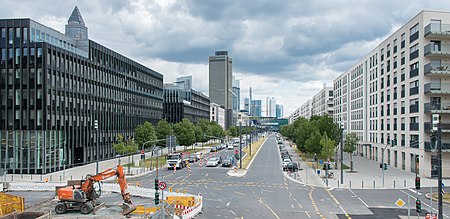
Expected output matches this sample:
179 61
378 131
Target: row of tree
318 135
185 131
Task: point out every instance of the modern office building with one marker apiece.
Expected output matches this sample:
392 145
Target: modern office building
322 102
55 86
271 110
217 114
236 95
181 101
256 108
279 111
220 83
388 97
247 104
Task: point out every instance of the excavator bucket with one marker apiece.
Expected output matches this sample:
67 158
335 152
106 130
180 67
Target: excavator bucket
127 208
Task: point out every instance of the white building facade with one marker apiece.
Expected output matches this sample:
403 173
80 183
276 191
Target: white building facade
217 114
322 102
388 97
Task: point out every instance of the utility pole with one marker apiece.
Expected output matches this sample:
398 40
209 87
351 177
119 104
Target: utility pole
251 132
342 153
98 150
240 145
437 130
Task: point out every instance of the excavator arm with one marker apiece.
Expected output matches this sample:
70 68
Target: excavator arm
88 187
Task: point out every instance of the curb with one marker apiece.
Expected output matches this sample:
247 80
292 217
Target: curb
256 154
427 195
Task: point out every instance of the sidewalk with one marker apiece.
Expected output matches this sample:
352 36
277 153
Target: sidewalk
80 172
368 174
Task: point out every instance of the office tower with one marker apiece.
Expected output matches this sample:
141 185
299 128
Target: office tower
220 83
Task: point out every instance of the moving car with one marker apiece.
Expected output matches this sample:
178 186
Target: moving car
213 162
214 149
230 147
228 162
193 158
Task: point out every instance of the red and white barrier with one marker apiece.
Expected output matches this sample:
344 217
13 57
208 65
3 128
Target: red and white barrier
175 168
189 168
235 169
191 212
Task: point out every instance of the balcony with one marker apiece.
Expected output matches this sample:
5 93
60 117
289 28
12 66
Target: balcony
414 108
413 91
414 55
413 126
445 127
437 50
437 69
413 73
443 107
437 31
431 146
437 88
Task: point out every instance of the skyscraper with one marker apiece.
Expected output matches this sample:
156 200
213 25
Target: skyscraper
279 111
271 110
255 107
236 95
220 83
75 27
247 104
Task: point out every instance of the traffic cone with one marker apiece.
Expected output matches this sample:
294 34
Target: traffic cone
235 169
189 168
175 168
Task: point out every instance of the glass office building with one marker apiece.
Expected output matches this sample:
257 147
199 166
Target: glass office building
52 90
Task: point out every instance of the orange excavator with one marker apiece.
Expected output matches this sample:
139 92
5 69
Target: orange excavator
84 197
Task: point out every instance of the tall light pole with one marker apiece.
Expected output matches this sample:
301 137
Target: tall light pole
382 164
437 130
342 153
98 150
240 144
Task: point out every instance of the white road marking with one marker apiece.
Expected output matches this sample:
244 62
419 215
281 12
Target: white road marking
299 205
290 194
206 186
260 200
363 202
232 212
292 206
307 214
414 191
228 204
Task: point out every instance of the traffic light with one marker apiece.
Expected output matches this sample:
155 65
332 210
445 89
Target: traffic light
383 166
418 206
156 198
393 142
156 184
417 183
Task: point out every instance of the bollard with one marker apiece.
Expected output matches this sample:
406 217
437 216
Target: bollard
31 176
70 177
374 184
394 183
404 183
21 175
338 183
51 177
362 184
12 178
41 177
60 179
350 184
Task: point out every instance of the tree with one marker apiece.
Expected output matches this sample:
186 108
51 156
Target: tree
163 129
206 129
185 132
216 130
328 146
234 131
124 147
350 146
313 143
143 133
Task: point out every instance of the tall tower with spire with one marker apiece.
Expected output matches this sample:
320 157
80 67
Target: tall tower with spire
75 27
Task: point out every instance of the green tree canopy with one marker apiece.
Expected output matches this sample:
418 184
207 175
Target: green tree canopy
351 140
124 147
143 133
328 146
163 129
185 132
313 143
205 125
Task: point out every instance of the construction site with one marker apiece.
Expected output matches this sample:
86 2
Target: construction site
104 195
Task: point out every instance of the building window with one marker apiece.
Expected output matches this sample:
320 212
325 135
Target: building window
414 52
403 41
413 33
414 70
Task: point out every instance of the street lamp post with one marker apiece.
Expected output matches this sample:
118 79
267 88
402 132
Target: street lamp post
98 154
251 132
437 130
342 153
240 145
382 164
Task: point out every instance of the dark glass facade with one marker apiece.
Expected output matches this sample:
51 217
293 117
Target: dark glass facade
190 104
53 88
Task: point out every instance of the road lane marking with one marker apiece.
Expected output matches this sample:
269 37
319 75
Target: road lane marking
240 193
337 202
228 204
273 212
292 206
299 205
307 214
232 212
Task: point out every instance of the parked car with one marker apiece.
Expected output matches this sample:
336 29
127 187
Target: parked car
228 162
292 166
213 162
230 147
236 144
286 161
213 149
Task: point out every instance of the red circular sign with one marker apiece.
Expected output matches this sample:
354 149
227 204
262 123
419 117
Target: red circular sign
162 185
236 152
142 152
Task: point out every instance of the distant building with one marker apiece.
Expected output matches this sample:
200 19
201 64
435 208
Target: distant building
217 114
247 104
306 109
256 107
279 111
295 115
271 110
220 83
181 101
322 102
236 95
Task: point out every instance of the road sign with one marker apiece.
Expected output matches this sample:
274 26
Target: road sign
142 152
236 152
320 161
162 185
400 203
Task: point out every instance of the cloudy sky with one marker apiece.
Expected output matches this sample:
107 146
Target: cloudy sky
286 49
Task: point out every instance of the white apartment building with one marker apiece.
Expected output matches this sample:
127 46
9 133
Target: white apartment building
294 116
217 114
387 98
322 102
306 109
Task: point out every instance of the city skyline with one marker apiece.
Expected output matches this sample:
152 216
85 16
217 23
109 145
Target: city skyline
284 64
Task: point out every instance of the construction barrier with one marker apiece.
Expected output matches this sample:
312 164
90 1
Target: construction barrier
28 186
140 209
10 203
186 212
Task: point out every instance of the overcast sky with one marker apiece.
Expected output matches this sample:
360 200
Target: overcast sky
285 49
